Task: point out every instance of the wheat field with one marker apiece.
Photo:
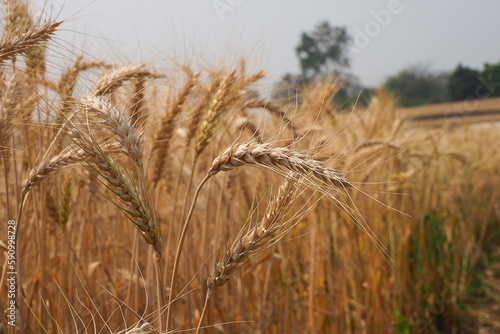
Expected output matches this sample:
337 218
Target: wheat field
182 200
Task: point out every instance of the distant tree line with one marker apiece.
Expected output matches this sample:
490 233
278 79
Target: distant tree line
417 86
323 54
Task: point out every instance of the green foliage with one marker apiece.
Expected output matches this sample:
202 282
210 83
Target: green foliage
402 324
323 49
417 86
466 83
463 83
490 78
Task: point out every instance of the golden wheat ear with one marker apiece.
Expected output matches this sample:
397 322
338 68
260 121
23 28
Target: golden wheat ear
163 135
251 242
136 205
275 158
110 82
34 37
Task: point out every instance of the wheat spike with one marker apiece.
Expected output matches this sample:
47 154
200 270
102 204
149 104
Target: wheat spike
254 240
118 123
110 82
217 107
34 37
136 208
275 157
165 132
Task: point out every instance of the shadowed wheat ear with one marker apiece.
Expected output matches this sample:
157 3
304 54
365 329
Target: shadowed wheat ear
273 109
9 99
244 123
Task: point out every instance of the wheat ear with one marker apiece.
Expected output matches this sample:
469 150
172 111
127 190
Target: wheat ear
253 241
117 123
110 82
216 109
164 133
66 158
8 109
276 157
136 207
34 37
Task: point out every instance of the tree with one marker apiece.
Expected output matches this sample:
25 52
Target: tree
463 83
323 50
490 80
417 86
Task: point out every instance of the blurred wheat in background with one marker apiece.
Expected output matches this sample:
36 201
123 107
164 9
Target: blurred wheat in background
152 200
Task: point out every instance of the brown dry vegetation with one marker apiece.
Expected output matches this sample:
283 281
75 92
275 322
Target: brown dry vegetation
166 199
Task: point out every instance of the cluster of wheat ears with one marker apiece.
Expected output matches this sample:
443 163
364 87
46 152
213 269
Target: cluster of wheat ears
107 138
102 148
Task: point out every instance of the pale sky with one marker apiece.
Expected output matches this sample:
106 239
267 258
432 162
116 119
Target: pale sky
389 34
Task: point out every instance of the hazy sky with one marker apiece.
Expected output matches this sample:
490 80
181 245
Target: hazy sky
389 34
